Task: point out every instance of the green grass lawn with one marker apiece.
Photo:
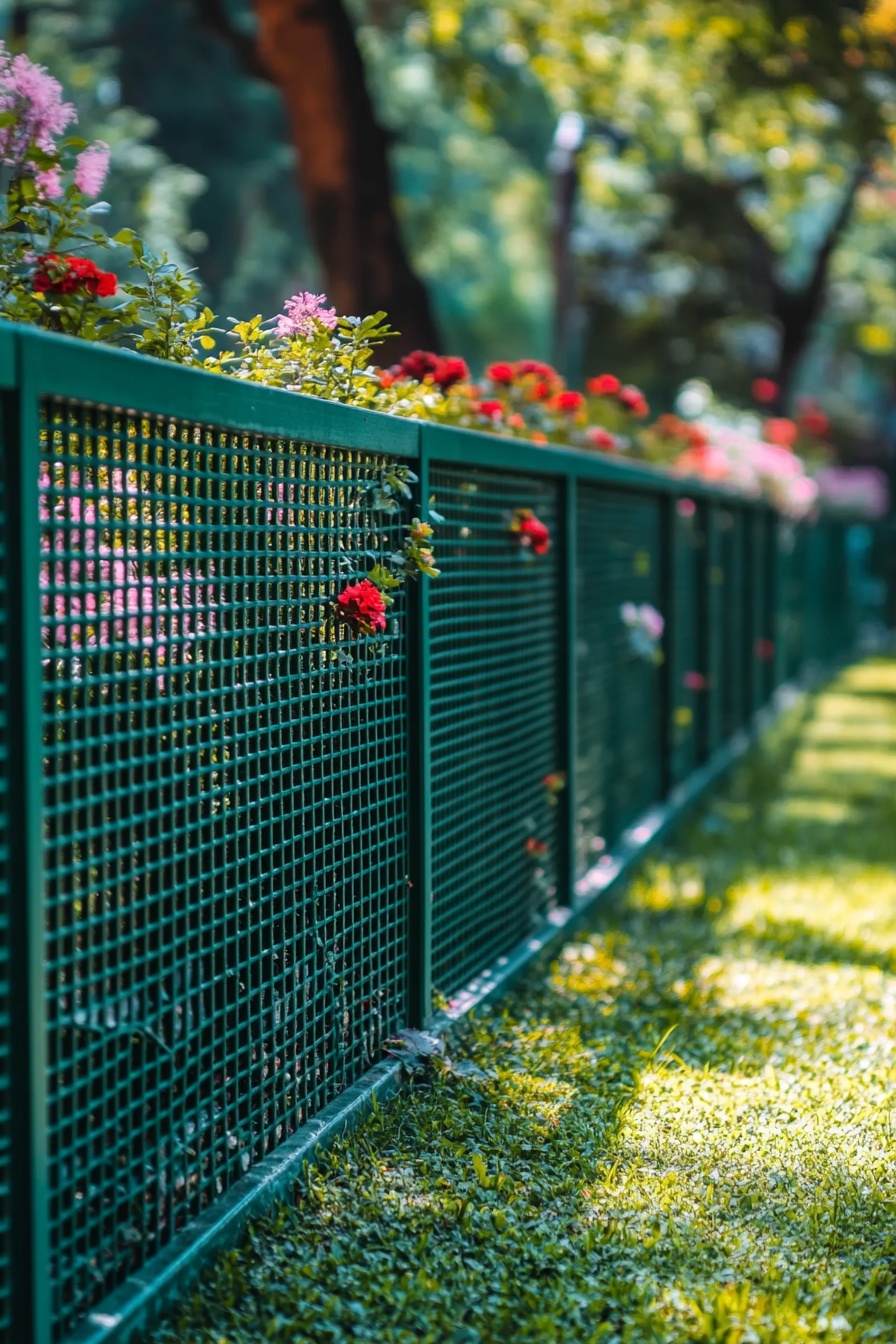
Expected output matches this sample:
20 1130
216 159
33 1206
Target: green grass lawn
685 1128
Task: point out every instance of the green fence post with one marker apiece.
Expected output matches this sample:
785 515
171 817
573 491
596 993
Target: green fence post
666 679
714 579
568 730
30 1253
420 783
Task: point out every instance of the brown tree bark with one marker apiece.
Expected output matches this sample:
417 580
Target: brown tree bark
309 49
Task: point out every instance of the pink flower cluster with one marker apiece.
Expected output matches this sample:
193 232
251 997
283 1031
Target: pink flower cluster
753 465
31 93
855 490
645 626
303 312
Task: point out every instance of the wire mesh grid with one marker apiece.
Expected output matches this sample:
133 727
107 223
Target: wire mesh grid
225 817
685 675
5 897
735 616
495 637
618 751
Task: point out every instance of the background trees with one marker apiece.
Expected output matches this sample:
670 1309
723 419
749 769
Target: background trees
736 176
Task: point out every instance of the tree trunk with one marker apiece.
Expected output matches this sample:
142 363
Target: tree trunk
797 311
310 51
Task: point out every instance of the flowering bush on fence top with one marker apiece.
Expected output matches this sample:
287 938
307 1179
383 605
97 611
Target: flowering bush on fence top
48 223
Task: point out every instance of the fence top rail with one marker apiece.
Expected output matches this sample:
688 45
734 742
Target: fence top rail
63 366
52 365
446 443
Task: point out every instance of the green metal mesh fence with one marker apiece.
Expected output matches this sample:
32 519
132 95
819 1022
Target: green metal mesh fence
618 764
686 698
225 819
495 637
736 619
241 801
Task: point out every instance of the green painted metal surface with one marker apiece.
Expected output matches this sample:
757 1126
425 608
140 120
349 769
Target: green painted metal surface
495 635
240 847
619 703
225 814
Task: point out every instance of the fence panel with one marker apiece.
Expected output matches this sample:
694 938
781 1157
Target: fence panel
225 811
685 700
735 619
495 636
619 771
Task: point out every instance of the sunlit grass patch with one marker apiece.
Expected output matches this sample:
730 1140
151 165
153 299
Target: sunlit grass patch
682 1132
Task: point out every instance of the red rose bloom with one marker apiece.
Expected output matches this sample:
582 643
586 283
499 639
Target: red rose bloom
500 373
813 420
492 410
537 848
604 385
782 432
534 368
633 399
69 275
601 439
416 365
765 390
362 605
569 402
531 531
449 370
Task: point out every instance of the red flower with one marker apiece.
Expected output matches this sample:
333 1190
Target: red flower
694 681
813 420
534 368
531 531
568 402
444 370
417 365
601 439
492 410
537 848
765 390
782 432
765 649
69 275
449 370
363 606
633 399
604 385
500 373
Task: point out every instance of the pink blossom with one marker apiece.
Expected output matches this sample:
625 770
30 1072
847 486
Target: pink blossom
861 490
302 314
49 183
645 626
91 168
35 96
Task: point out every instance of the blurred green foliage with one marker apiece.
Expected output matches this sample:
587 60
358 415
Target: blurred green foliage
721 143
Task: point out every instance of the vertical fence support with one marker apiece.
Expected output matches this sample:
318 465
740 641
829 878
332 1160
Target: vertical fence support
420 784
667 672
713 578
568 730
30 1276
